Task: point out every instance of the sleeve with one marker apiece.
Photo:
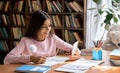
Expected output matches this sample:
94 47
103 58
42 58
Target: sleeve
15 55
62 44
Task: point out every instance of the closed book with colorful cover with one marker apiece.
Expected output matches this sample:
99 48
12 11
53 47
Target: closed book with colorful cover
33 69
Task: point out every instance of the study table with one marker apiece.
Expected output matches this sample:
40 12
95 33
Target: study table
105 67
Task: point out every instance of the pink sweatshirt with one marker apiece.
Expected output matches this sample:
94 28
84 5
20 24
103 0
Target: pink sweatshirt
21 53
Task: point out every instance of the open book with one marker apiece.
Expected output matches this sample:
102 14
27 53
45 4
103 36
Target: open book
79 66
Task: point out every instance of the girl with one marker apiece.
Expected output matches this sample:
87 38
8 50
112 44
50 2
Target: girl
39 34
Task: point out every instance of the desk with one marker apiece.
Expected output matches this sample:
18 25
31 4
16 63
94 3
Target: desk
106 67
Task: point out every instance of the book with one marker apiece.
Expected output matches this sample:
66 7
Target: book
1 46
72 37
79 7
48 4
67 22
22 20
115 62
56 6
14 19
6 6
77 36
20 5
29 6
18 19
115 57
68 7
73 7
53 8
66 36
79 66
33 68
35 5
115 54
4 19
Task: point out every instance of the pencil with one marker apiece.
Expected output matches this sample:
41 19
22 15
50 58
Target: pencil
94 44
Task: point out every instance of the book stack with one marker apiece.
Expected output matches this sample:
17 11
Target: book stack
115 57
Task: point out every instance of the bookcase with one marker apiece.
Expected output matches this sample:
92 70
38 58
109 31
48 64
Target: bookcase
68 20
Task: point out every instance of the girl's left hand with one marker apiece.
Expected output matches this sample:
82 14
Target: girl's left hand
75 56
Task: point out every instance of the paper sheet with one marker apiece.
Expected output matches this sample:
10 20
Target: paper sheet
75 48
79 66
50 61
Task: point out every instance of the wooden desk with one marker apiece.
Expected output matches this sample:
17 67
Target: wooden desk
106 67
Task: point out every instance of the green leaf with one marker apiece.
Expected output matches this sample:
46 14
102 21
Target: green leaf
97 1
95 15
107 27
118 16
115 19
109 23
118 1
111 10
108 18
91 8
114 3
100 11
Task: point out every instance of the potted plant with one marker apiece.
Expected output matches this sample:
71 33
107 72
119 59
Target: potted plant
111 13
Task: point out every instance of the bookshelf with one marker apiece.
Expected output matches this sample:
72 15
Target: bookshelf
68 20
